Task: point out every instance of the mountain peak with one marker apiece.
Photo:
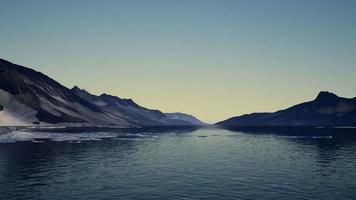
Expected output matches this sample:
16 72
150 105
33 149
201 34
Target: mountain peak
325 95
78 89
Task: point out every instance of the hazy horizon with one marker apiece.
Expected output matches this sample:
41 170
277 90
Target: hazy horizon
211 59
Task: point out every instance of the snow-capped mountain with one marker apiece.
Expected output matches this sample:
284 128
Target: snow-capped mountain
28 97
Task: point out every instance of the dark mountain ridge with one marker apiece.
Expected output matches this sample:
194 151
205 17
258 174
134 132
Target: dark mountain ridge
327 109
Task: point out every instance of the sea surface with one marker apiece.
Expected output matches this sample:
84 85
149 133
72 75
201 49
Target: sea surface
178 164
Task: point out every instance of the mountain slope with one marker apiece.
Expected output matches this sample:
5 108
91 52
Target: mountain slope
28 97
326 110
129 110
185 117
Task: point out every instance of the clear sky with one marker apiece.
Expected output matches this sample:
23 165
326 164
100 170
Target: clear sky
213 59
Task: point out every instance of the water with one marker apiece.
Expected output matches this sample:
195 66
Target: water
191 164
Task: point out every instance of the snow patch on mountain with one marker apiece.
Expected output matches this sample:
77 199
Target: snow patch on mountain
15 113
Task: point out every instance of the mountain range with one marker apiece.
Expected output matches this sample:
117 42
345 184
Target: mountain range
28 97
327 109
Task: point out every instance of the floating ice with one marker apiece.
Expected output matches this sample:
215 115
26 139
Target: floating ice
16 136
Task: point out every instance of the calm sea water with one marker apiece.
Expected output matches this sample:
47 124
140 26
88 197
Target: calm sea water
192 164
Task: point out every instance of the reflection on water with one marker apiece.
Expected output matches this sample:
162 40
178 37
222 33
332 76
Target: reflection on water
178 164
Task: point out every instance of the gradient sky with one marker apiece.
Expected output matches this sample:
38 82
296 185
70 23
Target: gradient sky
213 59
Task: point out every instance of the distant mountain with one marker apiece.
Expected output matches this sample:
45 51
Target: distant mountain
185 117
326 110
28 97
129 110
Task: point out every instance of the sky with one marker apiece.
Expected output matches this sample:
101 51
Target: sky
211 58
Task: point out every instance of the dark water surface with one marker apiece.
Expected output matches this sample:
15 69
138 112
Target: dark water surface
195 164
